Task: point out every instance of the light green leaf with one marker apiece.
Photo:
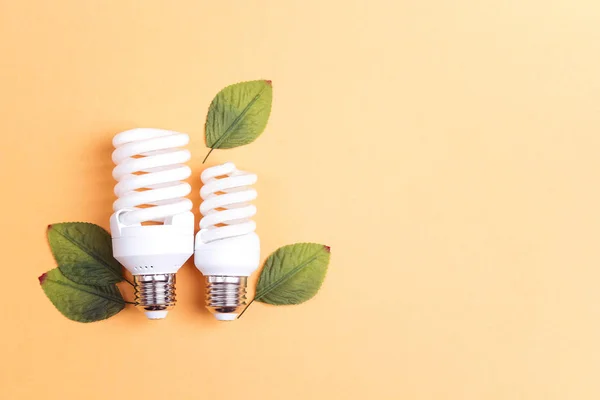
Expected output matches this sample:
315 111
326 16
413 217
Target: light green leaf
82 303
238 114
293 274
83 252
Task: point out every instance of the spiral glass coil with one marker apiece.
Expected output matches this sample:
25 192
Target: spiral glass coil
149 171
226 207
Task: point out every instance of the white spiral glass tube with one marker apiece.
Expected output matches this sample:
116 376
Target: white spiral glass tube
151 159
152 227
227 247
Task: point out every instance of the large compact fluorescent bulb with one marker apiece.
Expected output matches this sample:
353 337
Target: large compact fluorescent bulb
152 227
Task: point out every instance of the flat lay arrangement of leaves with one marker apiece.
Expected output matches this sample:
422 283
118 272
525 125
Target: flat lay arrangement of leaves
83 287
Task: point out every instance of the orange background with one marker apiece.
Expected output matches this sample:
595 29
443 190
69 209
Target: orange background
447 151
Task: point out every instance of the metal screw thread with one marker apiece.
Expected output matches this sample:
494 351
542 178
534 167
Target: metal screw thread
226 294
155 292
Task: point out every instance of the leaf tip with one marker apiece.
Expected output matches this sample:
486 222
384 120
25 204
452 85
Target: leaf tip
327 249
42 278
49 226
269 82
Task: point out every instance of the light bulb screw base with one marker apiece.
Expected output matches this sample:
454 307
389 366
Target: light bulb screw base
226 296
155 294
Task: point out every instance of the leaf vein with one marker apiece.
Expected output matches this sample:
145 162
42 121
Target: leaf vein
105 296
90 253
285 277
236 121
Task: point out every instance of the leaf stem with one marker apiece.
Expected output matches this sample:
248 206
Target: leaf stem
203 161
244 310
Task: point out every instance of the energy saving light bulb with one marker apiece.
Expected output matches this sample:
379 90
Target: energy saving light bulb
153 227
227 249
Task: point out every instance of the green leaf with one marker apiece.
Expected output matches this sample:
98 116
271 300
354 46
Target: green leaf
83 303
83 252
238 114
293 274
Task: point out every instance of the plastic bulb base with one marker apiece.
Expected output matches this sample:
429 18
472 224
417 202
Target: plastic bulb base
155 294
226 296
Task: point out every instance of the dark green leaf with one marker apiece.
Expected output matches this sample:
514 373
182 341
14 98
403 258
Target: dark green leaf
238 114
293 274
83 252
82 303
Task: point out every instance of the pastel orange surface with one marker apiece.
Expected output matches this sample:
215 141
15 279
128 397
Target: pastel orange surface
447 151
